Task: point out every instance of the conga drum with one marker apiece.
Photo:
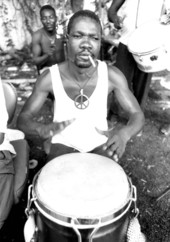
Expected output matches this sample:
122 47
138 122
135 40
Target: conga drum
82 197
149 47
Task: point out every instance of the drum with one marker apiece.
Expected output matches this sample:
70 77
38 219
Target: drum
82 197
148 46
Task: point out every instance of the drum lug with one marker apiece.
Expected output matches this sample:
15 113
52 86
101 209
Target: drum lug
94 231
75 221
29 201
134 199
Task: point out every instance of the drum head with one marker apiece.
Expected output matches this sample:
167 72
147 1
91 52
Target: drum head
146 38
82 185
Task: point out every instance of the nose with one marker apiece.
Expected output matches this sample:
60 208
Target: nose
86 43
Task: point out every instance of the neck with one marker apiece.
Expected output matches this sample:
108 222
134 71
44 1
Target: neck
50 33
80 74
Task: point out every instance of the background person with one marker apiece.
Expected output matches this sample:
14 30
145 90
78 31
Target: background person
81 86
7 153
127 16
47 49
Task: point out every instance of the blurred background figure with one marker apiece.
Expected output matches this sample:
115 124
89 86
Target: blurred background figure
47 49
128 15
7 153
14 155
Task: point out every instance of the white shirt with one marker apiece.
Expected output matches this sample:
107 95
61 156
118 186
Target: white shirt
3 122
81 134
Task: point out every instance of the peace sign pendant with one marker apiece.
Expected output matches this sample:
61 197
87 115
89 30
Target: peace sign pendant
81 101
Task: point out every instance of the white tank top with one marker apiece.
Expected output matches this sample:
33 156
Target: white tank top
81 134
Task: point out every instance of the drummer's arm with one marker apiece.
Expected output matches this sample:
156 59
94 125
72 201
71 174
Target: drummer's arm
112 11
128 102
26 119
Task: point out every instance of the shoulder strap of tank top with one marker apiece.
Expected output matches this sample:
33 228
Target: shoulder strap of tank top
55 75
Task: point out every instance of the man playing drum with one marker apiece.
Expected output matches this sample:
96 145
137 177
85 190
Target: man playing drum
81 86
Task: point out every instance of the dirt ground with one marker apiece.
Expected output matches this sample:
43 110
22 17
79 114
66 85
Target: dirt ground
146 161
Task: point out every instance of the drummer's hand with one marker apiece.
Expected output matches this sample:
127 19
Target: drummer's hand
116 143
51 51
46 131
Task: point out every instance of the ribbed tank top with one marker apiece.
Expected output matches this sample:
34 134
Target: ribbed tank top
81 134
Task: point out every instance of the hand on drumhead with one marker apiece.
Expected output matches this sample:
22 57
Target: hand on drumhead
116 143
47 131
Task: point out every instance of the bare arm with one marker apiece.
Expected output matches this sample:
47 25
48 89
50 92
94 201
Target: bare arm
119 136
112 12
33 105
39 58
1 138
128 102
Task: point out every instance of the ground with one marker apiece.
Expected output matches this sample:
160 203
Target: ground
146 161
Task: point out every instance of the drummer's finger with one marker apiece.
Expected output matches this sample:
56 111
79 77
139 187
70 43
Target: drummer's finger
68 122
110 149
113 155
116 157
120 151
62 125
104 132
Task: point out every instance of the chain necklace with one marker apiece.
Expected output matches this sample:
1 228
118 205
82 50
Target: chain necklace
81 101
52 39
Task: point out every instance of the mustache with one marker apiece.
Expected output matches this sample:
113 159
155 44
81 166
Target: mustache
85 52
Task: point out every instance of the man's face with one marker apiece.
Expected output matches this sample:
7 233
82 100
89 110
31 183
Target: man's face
48 19
84 40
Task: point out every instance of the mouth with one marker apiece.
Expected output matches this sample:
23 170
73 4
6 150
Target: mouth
85 56
49 26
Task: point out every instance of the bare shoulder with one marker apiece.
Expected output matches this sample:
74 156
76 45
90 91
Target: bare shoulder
116 78
63 68
37 34
43 82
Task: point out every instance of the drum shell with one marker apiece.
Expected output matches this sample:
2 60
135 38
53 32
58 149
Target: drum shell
109 226
50 231
149 47
153 61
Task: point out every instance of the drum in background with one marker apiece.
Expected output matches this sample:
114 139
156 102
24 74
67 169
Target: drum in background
82 197
148 46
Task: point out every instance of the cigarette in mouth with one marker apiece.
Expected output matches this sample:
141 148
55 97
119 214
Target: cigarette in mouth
92 61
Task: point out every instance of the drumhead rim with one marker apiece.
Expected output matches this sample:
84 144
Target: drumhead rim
86 222
146 52
66 219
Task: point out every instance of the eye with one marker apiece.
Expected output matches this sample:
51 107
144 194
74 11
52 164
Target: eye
52 17
77 36
94 38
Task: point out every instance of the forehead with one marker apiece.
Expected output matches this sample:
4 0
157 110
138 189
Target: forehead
47 12
85 24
